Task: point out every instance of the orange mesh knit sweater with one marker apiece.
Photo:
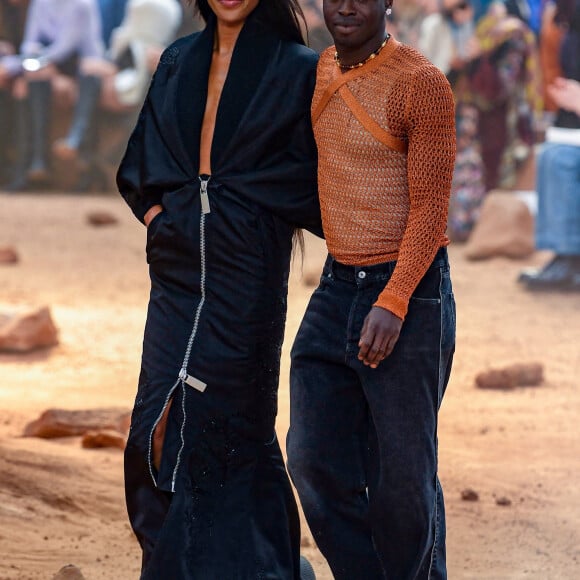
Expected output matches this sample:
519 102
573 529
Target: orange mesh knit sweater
385 164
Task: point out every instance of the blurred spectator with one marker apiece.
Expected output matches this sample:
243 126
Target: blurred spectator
518 8
566 93
481 7
190 22
407 18
136 46
446 37
84 127
505 86
318 36
112 14
551 38
12 21
58 33
448 40
118 82
558 184
492 68
558 178
568 17
529 11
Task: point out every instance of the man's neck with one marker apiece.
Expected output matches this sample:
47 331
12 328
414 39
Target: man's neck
349 56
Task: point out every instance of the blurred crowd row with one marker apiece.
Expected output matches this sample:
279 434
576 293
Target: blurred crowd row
96 56
86 57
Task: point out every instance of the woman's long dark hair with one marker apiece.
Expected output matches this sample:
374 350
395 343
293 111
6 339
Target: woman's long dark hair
281 16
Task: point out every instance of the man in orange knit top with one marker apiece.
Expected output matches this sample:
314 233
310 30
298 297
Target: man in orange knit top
372 358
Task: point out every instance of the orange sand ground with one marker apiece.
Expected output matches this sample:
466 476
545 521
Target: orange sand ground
61 504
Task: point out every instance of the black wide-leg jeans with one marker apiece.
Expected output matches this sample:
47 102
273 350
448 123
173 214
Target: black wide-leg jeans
362 445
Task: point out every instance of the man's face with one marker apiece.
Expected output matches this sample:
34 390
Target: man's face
353 23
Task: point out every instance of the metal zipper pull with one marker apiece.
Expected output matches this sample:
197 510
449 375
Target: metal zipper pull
205 207
192 381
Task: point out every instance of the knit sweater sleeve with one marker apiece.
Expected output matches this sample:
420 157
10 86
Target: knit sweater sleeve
431 157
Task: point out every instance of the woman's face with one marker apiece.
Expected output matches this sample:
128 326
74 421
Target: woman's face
233 12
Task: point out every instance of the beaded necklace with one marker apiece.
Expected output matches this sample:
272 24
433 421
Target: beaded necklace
362 62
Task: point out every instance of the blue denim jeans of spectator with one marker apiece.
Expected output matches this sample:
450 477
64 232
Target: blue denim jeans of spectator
362 444
558 185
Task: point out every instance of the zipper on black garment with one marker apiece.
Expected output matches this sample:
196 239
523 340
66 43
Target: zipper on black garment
204 180
184 377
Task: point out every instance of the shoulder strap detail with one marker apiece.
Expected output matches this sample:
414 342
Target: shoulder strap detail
339 85
378 132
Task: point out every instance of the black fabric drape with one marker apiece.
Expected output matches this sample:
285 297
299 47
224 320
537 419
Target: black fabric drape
220 506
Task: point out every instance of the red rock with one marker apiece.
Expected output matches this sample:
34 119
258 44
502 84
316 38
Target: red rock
28 331
503 501
100 439
64 423
469 494
526 374
498 379
69 572
516 375
101 218
8 255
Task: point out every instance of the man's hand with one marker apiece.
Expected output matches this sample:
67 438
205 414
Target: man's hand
566 94
151 213
378 336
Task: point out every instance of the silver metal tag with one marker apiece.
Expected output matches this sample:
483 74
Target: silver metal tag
195 383
205 207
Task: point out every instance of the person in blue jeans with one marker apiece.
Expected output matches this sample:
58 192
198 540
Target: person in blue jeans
558 186
372 357
558 175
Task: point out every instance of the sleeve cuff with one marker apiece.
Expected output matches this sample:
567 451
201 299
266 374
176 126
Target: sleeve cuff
395 304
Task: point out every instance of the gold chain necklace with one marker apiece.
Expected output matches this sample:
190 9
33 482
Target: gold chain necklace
362 62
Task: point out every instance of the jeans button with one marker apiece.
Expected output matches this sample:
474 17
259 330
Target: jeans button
362 274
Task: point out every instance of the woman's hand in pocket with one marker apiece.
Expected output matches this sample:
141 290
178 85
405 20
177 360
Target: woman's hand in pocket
151 213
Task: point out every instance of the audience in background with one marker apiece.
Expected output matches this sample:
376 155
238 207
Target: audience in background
558 176
12 20
551 36
492 67
83 131
506 89
118 81
446 37
318 36
58 35
406 20
112 14
81 53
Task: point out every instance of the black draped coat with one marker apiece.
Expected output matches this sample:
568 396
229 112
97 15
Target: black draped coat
220 507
